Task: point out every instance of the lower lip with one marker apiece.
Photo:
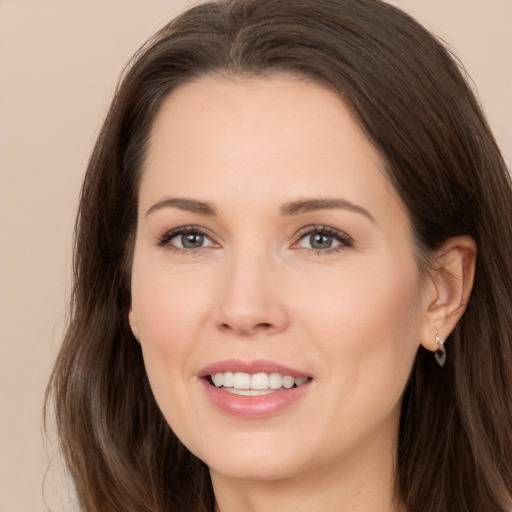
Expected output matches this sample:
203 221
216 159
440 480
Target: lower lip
254 406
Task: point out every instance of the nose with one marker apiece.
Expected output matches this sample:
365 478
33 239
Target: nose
252 301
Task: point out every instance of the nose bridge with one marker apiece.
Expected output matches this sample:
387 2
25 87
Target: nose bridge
251 301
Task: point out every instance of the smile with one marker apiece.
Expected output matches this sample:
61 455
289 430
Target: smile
255 389
257 384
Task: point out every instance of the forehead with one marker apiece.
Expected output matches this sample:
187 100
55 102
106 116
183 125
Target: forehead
283 136
254 108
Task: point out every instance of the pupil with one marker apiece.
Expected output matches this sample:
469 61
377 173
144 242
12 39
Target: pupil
320 241
192 240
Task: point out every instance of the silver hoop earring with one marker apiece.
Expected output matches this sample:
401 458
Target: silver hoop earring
440 353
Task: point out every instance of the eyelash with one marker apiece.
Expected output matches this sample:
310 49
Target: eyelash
186 230
344 240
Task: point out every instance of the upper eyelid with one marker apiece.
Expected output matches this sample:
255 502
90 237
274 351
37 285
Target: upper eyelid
188 228
322 229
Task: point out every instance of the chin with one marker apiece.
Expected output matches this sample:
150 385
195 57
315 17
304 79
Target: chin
263 469
257 459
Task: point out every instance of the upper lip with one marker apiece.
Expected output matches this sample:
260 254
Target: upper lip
251 367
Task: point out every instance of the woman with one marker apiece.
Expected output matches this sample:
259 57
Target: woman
292 274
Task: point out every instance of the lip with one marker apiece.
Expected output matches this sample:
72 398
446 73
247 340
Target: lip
252 407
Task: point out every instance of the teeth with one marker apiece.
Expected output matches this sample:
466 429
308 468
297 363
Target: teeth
229 379
242 381
255 384
275 381
218 380
248 392
288 382
259 381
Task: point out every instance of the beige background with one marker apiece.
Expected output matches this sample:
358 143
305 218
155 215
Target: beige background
59 62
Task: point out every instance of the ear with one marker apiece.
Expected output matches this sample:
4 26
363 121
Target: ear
449 289
132 320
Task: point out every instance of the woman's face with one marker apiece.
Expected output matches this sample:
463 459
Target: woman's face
272 251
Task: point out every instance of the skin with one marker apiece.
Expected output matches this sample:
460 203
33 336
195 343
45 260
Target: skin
351 316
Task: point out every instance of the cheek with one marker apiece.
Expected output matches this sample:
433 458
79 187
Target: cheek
366 322
169 308
169 313
366 332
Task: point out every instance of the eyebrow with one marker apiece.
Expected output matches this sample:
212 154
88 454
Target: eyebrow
310 205
291 208
182 203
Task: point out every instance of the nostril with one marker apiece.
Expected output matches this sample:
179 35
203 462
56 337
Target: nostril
243 331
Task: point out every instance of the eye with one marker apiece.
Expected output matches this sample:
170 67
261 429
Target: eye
319 241
323 239
187 238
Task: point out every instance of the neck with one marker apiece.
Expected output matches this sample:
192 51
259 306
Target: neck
363 482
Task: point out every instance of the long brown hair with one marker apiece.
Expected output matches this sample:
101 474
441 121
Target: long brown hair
413 102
